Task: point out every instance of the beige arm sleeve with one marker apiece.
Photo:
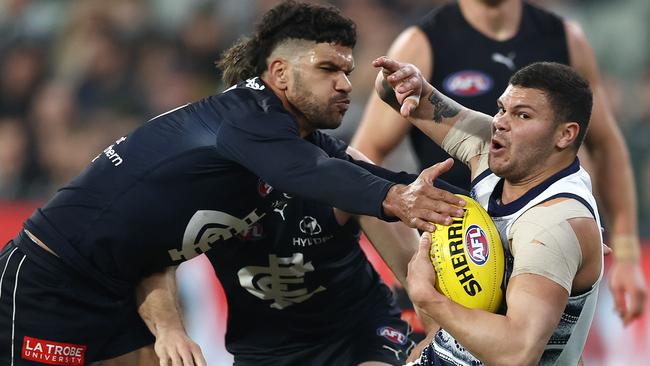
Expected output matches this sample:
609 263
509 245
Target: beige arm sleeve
470 137
544 243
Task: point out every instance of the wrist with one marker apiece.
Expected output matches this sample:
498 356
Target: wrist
626 248
389 205
431 303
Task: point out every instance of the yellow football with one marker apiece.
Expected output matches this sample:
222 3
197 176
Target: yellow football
469 260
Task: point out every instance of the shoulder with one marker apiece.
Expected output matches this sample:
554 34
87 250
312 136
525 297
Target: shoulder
437 15
333 146
563 219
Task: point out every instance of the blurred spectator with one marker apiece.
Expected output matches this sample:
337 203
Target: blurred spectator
21 70
13 157
637 134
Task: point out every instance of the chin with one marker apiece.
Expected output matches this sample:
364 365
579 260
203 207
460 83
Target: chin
496 168
330 125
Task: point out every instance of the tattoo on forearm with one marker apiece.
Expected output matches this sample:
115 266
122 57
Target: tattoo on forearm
442 108
389 95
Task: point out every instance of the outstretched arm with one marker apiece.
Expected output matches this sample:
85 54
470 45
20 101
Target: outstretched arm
403 87
606 148
159 309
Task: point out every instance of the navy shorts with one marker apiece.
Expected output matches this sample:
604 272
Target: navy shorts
51 315
384 339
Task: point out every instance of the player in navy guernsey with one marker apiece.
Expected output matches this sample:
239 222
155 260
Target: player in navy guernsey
188 181
468 49
301 292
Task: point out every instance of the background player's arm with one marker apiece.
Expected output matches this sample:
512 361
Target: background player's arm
381 129
607 151
158 307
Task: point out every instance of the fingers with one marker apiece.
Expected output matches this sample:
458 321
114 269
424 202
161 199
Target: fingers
425 244
440 201
188 354
421 256
606 249
186 357
619 302
422 225
431 173
389 65
635 306
410 104
199 360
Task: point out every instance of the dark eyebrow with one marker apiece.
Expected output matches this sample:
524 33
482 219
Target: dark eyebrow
522 106
333 65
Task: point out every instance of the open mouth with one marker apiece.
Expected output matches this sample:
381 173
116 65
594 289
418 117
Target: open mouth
496 146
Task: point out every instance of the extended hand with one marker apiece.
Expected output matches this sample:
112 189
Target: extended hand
402 83
629 289
420 203
174 348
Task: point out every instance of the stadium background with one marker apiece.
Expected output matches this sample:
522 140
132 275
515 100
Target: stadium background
76 74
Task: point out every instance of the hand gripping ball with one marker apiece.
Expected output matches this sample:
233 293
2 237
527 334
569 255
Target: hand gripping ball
469 260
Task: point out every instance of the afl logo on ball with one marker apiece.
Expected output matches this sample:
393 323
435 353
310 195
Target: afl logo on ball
467 83
476 245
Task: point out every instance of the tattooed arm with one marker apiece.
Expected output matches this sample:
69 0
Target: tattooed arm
462 132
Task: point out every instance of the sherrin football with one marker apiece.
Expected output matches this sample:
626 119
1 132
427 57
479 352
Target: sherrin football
468 258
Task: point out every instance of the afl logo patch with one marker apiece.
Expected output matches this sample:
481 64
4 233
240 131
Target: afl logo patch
476 245
263 188
467 83
392 335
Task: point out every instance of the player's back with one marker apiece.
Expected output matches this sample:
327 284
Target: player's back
140 203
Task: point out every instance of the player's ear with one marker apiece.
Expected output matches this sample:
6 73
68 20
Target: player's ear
278 73
568 134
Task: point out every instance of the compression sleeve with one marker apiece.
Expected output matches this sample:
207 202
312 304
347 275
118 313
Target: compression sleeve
272 149
338 148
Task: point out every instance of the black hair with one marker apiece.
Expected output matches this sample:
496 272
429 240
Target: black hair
288 20
568 92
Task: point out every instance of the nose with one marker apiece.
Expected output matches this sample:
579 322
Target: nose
500 122
343 84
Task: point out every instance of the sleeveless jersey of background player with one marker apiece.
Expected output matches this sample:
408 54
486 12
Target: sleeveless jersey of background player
297 278
182 183
474 70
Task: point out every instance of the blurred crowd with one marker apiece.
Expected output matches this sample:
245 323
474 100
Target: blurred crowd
77 74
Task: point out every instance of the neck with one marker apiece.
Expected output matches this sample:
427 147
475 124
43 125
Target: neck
301 120
499 22
515 188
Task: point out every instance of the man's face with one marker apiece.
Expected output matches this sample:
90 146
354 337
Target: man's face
492 3
523 134
319 87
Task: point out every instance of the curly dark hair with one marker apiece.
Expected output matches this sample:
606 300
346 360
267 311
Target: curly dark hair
288 20
568 92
